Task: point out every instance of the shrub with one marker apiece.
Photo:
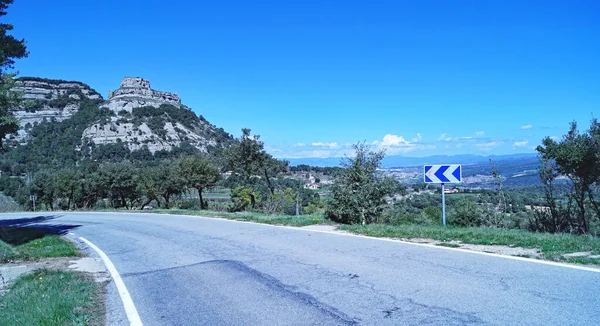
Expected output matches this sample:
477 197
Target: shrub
241 198
465 213
358 194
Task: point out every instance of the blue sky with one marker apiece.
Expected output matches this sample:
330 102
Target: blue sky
418 78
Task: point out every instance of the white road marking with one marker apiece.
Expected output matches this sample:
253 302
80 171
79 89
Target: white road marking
130 310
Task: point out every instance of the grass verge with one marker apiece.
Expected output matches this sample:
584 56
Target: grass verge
47 297
47 247
552 246
274 219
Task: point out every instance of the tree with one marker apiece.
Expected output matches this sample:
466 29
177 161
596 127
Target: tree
358 193
250 161
8 99
67 182
199 173
148 185
557 217
121 182
577 156
43 187
10 49
92 186
501 208
169 181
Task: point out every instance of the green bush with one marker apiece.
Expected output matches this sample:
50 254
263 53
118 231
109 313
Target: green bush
219 206
186 204
241 198
359 194
465 213
429 215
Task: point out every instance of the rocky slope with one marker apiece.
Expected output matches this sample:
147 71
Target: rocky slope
136 115
136 92
48 100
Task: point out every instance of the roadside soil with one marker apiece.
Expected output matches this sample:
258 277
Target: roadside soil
93 266
496 249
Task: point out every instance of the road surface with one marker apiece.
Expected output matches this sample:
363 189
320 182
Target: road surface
183 270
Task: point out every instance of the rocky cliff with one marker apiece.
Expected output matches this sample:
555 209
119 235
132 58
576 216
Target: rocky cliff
48 100
134 115
144 117
136 92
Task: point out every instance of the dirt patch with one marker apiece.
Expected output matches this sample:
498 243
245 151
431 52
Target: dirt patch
94 266
581 254
324 227
496 249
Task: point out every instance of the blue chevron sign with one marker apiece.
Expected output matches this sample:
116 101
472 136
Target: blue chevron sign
449 173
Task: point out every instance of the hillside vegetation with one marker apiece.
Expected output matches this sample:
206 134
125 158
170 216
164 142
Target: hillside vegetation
60 144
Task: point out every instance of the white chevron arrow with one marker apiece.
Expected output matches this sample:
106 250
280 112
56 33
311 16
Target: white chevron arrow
432 174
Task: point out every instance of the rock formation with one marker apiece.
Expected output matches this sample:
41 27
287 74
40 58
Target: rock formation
136 92
48 99
161 123
138 130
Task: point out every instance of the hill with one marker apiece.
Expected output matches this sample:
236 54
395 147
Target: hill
515 170
62 122
396 161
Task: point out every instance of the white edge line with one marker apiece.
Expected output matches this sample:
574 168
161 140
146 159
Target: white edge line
530 260
130 310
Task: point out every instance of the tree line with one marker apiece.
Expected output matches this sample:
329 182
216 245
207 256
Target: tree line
255 178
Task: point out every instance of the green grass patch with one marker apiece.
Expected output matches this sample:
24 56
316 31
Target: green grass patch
552 246
7 251
47 297
274 219
46 247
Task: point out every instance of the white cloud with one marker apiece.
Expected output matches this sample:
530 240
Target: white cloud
479 134
322 144
393 140
525 127
273 149
488 146
394 144
299 145
312 153
555 138
442 137
521 143
418 138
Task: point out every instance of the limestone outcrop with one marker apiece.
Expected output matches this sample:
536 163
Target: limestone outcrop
48 100
138 115
136 92
137 136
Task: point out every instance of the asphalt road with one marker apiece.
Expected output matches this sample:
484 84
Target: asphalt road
184 270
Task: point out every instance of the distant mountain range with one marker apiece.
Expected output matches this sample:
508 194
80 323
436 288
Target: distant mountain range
403 161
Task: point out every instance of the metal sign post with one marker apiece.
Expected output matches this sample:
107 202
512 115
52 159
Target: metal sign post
443 206
442 174
32 198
